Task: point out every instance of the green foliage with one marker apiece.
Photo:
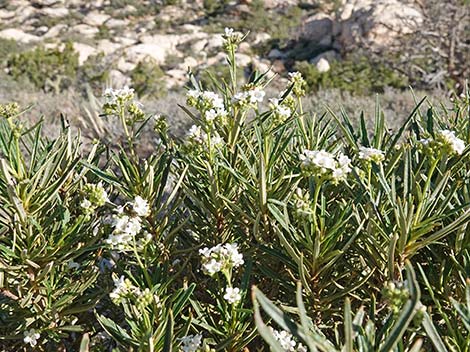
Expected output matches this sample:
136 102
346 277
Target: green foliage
147 79
95 71
7 47
160 249
358 76
46 68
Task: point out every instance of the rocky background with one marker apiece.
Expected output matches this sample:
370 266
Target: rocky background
68 51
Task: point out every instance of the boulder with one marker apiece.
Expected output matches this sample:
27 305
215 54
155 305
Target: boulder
377 22
317 28
55 12
95 18
85 30
84 51
330 55
323 65
55 31
18 35
107 47
118 79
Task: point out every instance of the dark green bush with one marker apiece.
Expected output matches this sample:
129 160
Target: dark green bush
355 75
147 79
46 68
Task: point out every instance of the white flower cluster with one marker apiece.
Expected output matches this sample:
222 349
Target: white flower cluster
114 96
220 258
249 97
124 288
371 154
119 101
445 140
128 224
196 135
451 141
95 196
190 343
231 39
280 111
232 295
298 83
210 104
287 341
31 337
324 164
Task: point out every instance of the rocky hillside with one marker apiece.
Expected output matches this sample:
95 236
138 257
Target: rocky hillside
175 35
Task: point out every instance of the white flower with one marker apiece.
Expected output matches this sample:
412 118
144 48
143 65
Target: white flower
449 138
220 258
325 164
228 31
86 204
371 154
193 93
122 287
319 158
31 337
213 99
285 339
125 93
141 206
212 267
232 295
196 134
235 256
190 343
211 115
256 95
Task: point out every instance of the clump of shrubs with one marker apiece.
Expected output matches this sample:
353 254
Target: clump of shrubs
355 75
147 79
47 69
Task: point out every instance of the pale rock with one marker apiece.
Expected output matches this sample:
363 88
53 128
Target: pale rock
244 48
214 43
330 55
95 18
124 65
378 22
118 79
157 52
189 61
199 46
323 65
84 51
49 3
85 30
261 65
242 59
7 15
55 31
41 30
116 23
126 41
107 47
18 35
55 12
261 38
271 4
218 58
175 77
